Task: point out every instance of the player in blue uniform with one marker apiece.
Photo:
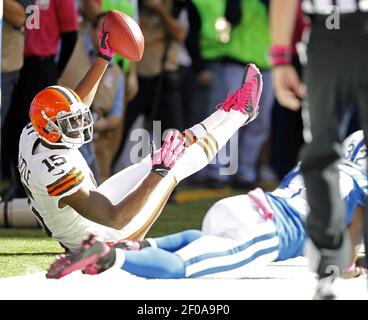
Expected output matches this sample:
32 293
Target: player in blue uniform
237 233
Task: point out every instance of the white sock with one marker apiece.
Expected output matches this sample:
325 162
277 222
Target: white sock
119 258
198 155
193 160
198 130
214 120
192 134
225 130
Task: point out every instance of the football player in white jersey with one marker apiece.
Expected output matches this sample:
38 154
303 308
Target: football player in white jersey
61 188
239 232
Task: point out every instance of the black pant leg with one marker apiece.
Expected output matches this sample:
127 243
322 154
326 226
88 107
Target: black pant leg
327 94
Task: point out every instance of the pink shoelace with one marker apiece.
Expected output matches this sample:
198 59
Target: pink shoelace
244 96
239 99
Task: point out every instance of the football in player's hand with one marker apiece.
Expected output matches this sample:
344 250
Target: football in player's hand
125 36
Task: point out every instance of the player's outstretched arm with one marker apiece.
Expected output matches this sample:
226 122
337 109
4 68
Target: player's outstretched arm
98 208
87 88
149 198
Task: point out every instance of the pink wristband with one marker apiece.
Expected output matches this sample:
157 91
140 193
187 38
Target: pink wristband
280 55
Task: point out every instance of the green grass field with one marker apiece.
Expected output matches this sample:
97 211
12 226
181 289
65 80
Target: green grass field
24 251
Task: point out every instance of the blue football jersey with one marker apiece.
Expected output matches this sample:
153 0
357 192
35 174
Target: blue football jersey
291 207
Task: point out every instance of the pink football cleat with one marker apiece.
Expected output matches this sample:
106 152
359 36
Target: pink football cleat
246 98
95 255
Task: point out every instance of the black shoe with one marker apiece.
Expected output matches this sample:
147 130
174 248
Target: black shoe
325 289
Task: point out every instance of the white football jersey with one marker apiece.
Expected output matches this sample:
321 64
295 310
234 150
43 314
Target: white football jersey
48 175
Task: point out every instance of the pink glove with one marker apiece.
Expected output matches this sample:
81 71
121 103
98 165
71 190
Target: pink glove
165 158
105 51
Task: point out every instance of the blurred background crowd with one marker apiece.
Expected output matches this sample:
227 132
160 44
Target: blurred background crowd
195 53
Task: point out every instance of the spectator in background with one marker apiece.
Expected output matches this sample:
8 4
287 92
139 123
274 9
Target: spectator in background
158 77
287 125
335 79
193 113
11 58
107 106
74 71
224 36
91 9
58 21
12 49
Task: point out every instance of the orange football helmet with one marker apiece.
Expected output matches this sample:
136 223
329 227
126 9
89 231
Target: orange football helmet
60 117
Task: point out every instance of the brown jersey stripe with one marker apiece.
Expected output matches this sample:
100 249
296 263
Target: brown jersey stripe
71 186
65 184
62 178
65 180
72 180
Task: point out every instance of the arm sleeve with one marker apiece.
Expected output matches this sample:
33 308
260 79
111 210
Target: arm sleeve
118 105
68 41
192 42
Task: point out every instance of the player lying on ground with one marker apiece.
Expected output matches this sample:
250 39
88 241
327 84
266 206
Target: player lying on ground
237 233
61 188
